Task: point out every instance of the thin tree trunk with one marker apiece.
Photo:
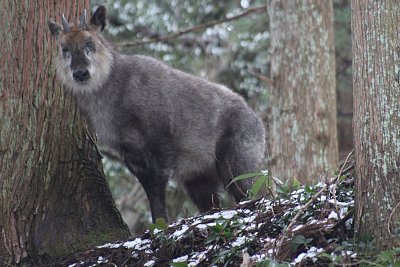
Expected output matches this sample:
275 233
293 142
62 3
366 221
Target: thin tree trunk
376 83
54 199
303 135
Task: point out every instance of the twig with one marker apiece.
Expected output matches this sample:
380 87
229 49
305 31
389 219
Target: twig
262 77
390 218
195 28
338 177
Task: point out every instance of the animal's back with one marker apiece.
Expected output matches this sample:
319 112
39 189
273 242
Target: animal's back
184 113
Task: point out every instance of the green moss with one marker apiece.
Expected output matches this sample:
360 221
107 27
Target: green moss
91 239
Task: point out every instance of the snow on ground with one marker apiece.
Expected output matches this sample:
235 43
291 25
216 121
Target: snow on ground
258 227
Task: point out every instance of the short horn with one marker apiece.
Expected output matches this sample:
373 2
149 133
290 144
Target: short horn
65 24
82 20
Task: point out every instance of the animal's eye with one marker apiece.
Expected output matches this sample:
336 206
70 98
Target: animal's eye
65 49
90 45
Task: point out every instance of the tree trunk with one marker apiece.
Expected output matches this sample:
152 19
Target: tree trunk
303 136
376 83
54 199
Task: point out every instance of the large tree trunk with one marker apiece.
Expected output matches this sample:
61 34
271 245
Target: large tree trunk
303 136
376 83
54 199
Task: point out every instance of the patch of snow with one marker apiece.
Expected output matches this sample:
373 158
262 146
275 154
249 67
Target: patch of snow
228 214
298 192
197 258
311 253
298 227
264 201
342 204
240 240
178 234
101 260
251 227
201 226
109 245
156 231
350 253
349 223
135 255
132 244
246 211
333 215
138 244
178 222
249 219
149 263
181 259
300 257
269 240
258 257
244 202
313 221
212 216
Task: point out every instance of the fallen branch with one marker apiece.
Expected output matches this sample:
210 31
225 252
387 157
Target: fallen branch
195 28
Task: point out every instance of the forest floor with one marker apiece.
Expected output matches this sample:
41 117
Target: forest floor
307 226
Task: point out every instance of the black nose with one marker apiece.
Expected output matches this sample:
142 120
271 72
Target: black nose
81 75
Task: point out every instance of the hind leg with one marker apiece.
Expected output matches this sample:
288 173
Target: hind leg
203 191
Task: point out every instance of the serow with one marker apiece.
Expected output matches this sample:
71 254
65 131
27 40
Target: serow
161 122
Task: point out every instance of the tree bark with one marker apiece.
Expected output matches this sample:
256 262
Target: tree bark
54 199
376 83
303 135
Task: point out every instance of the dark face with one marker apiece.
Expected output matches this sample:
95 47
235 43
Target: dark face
78 50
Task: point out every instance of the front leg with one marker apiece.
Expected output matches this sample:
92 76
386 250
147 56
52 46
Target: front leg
154 185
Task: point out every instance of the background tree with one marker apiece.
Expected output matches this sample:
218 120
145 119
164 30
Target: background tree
303 135
54 199
376 78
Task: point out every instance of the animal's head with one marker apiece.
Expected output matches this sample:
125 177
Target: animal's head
85 59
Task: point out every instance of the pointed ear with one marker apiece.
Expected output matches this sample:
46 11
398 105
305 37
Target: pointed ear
54 27
98 20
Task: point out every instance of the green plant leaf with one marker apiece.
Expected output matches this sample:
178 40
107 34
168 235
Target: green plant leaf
296 184
255 188
245 176
160 224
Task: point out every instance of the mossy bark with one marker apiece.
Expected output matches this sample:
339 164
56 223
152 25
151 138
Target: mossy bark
54 199
376 83
302 128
